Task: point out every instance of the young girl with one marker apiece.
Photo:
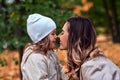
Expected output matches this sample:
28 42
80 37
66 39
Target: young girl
39 62
85 61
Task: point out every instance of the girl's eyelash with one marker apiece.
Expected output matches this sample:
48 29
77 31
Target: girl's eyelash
53 33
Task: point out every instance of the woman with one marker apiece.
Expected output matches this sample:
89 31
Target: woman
39 62
85 61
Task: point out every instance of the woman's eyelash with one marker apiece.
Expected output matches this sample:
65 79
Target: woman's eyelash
62 32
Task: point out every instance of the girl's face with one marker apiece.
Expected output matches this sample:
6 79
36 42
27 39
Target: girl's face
64 36
52 37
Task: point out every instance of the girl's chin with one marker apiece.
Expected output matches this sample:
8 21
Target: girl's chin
62 48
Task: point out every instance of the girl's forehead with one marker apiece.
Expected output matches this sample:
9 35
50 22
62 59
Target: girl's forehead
53 31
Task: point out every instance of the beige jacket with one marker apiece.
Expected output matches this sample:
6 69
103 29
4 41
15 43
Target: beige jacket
36 66
99 68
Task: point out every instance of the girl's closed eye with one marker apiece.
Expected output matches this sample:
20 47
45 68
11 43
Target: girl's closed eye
53 33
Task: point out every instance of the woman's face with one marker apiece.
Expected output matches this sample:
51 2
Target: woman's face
52 37
64 37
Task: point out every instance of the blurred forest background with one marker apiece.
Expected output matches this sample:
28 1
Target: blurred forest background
105 15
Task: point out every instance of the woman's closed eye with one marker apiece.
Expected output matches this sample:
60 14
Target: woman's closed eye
62 33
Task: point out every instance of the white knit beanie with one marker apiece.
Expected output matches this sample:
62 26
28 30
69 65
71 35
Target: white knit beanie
39 26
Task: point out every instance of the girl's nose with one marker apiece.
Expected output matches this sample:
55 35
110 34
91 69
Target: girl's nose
55 36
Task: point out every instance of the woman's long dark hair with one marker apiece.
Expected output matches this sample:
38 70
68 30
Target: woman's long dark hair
81 41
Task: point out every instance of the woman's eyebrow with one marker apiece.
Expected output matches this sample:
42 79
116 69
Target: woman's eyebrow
62 30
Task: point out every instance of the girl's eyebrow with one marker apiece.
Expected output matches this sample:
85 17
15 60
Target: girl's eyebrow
54 31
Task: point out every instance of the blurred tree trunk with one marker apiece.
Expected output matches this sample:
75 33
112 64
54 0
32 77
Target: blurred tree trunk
105 5
19 33
112 20
20 57
116 36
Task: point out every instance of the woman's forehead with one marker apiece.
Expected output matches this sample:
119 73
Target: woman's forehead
66 25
